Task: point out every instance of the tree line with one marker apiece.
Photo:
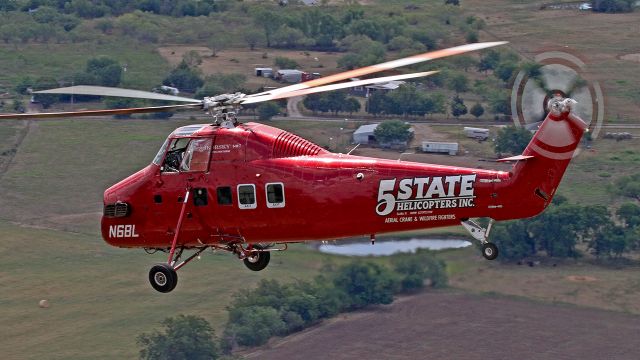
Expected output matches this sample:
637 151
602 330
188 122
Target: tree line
564 226
277 309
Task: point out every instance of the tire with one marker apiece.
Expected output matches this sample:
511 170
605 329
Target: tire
259 261
163 278
489 251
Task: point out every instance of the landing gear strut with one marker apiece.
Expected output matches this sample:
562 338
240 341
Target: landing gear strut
489 249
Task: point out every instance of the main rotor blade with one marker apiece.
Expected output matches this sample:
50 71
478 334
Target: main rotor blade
383 66
150 109
332 87
116 92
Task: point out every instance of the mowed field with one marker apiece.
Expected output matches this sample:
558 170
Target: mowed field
455 325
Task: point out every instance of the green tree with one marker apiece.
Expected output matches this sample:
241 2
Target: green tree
183 337
489 61
107 71
351 105
504 71
218 43
184 77
267 110
417 268
513 240
192 58
613 6
458 83
253 38
630 214
458 108
477 110
285 63
611 241
221 83
269 20
511 140
366 283
629 186
392 131
45 83
254 325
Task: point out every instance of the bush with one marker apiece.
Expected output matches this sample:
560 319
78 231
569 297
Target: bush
268 110
254 325
417 268
366 283
184 78
285 63
392 131
512 140
183 337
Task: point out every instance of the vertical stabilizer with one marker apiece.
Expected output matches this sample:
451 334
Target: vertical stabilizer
545 159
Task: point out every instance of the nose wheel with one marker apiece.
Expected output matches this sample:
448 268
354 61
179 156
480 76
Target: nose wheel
163 277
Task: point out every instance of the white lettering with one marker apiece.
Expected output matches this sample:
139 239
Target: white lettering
466 185
405 189
436 187
123 231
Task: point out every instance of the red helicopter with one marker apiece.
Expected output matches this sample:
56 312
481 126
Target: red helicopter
250 189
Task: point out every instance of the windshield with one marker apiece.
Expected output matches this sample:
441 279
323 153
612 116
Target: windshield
158 159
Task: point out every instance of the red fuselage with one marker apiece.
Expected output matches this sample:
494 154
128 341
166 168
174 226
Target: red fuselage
258 184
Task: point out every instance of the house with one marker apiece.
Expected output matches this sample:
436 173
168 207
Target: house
364 134
264 72
367 90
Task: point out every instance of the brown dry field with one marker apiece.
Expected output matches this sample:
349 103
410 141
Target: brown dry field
600 40
243 61
454 325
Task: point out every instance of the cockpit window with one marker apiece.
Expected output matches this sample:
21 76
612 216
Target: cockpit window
196 157
160 154
175 154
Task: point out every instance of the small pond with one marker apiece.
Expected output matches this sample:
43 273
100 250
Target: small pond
389 247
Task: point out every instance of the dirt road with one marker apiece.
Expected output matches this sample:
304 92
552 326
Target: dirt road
452 325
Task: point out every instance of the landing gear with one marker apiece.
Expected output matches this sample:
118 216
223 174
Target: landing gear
489 250
163 278
257 260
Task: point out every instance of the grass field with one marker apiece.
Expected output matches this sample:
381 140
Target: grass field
145 67
100 297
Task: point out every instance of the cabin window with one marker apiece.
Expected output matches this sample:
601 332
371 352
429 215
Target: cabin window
196 157
223 194
275 195
247 196
200 197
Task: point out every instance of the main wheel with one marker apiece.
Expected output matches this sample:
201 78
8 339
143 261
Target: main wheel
259 260
489 251
163 278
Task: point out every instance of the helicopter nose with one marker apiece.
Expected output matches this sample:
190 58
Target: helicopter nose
118 224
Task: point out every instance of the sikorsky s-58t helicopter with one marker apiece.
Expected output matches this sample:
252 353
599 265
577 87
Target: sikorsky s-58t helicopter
250 189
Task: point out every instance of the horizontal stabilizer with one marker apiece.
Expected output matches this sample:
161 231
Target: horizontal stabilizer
515 158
